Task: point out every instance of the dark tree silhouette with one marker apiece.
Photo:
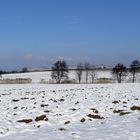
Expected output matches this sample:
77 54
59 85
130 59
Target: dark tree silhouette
24 70
134 68
59 71
79 72
87 69
1 72
92 73
119 71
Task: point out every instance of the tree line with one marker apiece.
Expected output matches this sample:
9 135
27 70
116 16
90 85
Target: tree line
60 71
24 70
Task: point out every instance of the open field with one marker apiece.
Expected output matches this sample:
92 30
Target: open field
65 112
46 76
37 77
69 69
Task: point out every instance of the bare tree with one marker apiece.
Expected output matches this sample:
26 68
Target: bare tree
79 72
119 71
24 70
87 69
59 71
1 72
92 73
134 68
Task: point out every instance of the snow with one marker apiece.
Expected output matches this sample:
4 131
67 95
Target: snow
46 76
37 77
69 103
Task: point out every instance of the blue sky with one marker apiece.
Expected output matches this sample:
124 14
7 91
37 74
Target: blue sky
35 33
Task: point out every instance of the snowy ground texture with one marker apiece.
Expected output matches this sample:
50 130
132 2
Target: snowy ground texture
66 112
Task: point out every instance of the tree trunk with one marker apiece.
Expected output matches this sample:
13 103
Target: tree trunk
133 78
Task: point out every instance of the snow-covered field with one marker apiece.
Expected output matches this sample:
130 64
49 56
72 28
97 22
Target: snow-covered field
46 76
66 112
37 77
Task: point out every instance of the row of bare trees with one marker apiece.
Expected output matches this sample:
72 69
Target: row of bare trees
60 71
120 71
90 71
